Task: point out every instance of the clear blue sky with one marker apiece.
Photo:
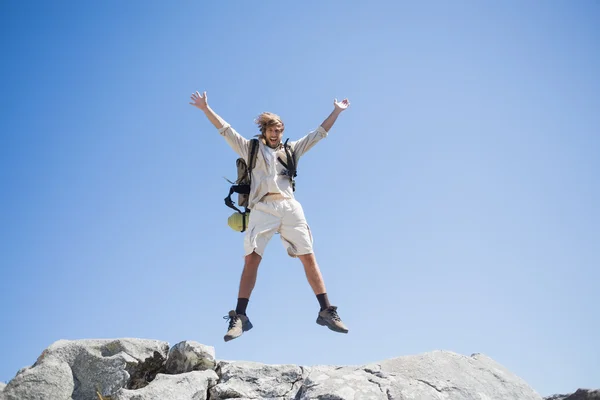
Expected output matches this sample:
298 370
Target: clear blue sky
454 205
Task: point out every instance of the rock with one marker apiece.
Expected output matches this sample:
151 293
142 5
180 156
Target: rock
453 376
580 394
244 379
135 369
76 370
341 383
190 356
187 386
51 379
435 375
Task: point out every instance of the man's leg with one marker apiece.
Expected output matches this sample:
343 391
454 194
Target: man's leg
261 227
247 281
297 239
313 273
328 314
238 320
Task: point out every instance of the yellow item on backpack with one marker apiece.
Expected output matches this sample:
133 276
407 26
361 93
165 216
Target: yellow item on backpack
238 221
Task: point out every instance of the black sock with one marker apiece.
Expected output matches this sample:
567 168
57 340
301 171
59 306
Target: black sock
241 306
323 301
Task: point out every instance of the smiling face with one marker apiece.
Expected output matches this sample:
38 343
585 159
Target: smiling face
271 128
273 135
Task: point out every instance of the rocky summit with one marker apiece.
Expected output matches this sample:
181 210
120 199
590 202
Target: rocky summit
137 369
580 394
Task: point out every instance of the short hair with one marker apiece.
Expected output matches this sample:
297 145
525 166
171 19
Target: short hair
267 119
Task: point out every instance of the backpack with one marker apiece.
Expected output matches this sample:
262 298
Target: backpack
244 179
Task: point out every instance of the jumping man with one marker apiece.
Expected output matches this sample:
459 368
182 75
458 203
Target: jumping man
274 209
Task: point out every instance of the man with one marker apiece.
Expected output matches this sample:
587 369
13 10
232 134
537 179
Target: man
274 209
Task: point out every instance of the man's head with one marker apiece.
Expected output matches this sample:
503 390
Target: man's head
271 128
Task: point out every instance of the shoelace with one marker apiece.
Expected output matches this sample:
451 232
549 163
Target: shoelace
334 315
232 320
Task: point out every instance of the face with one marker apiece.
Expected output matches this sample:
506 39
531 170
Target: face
273 135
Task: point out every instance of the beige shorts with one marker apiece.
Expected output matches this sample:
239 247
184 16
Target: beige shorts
276 214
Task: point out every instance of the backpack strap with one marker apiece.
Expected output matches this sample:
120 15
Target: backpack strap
244 188
252 158
291 164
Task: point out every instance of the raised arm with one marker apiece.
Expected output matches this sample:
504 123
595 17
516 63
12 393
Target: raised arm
307 142
201 101
338 107
238 143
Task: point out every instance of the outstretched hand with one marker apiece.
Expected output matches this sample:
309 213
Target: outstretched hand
341 105
199 100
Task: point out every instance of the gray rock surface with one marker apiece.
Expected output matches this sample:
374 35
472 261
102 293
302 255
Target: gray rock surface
50 379
456 377
580 394
135 369
2 395
190 385
76 370
436 375
244 379
190 356
348 383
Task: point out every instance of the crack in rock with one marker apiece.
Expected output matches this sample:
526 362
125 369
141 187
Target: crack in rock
442 390
378 374
378 384
501 379
209 387
219 377
303 388
383 376
293 384
256 381
145 372
429 384
388 394
76 382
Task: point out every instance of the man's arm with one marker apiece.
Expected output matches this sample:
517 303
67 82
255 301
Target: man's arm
307 142
201 101
338 107
238 143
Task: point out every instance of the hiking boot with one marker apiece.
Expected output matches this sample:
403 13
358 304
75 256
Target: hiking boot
238 324
330 318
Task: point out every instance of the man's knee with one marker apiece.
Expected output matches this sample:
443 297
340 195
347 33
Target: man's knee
307 258
252 260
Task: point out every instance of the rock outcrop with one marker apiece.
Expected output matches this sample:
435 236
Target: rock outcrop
580 394
135 369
